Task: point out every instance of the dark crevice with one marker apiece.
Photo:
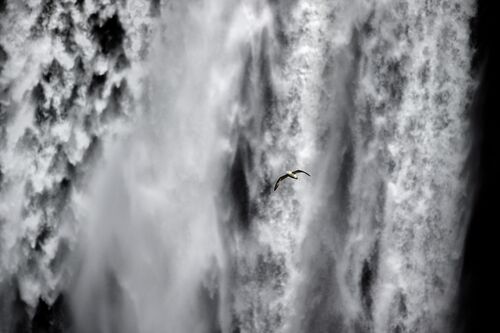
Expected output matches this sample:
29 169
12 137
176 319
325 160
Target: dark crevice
3 137
63 194
1 181
366 283
53 318
38 95
368 29
368 277
4 116
19 321
45 115
54 72
280 33
79 68
79 4
43 234
239 186
56 197
19 318
395 79
113 109
122 62
3 7
155 8
399 328
402 308
109 35
97 84
3 58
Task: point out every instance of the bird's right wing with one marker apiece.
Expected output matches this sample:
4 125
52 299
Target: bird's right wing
278 181
299 171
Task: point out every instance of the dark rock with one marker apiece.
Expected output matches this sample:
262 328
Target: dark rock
4 116
16 318
3 6
44 233
45 115
109 35
38 95
239 186
122 62
97 83
368 277
3 57
54 72
113 109
79 4
79 67
53 318
155 9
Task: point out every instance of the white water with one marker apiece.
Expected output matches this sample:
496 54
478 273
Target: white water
172 225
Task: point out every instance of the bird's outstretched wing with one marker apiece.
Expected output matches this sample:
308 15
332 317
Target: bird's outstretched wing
278 181
299 171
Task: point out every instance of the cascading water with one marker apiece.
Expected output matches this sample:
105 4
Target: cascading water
140 141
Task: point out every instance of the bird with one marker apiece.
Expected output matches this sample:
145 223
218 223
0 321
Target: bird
291 174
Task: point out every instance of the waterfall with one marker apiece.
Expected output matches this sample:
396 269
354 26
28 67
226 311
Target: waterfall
140 142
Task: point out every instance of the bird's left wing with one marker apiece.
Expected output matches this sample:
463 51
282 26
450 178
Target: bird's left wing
301 171
278 181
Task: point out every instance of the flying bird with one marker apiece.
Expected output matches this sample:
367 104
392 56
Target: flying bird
291 174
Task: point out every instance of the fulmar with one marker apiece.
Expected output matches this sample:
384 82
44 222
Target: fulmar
291 174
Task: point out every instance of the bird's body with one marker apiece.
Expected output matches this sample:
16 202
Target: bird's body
291 174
